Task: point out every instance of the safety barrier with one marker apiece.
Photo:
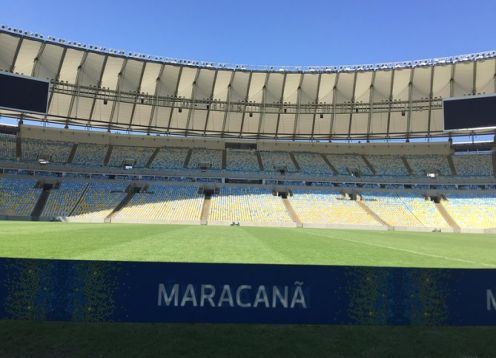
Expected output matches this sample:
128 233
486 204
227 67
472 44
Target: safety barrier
182 292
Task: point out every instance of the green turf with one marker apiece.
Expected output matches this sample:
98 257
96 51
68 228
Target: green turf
55 339
244 245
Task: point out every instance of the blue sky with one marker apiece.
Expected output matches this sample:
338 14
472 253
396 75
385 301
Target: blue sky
267 32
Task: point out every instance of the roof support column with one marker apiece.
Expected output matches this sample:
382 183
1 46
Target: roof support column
410 96
75 98
191 112
176 91
431 94
371 105
211 102
116 102
316 106
245 105
138 93
333 112
390 98
298 104
262 109
227 104
37 59
16 54
99 87
352 104
155 97
281 105
55 81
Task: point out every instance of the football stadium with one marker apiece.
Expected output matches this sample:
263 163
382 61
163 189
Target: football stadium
118 166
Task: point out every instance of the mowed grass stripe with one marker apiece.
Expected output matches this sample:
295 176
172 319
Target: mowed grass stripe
413 252
182 243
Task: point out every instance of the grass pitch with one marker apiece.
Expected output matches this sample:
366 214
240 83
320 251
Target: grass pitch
180 243
242 245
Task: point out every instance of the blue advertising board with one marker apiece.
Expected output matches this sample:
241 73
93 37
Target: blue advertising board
244 293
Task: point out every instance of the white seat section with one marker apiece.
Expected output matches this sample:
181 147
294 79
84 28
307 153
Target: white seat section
328 208
473 164
248 205
472 210
346 163
54 151
312 163
388 165
273 160
241 160
170 158
137 155
208 156
423 164
99 200
90 154
64 199
163 203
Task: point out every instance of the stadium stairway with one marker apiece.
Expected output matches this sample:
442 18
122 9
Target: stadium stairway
108 155
152 158
72 153
293 159
40 204
369 165
224 159
373 214
260 163
83 193
452 165
130 194
188 157
446 216
292 212
334 171
207 202
407 166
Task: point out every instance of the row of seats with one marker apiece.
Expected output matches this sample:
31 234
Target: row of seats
473 165
99 200
172 158
164 203
388 165
242 160
96 200
472 210
56 152
7 146
209 156
407 210
322 207
273 161
63 200
422 164
312 163
345 164
248 205
246 160
18 196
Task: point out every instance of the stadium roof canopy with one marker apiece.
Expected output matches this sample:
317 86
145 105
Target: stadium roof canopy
101 88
